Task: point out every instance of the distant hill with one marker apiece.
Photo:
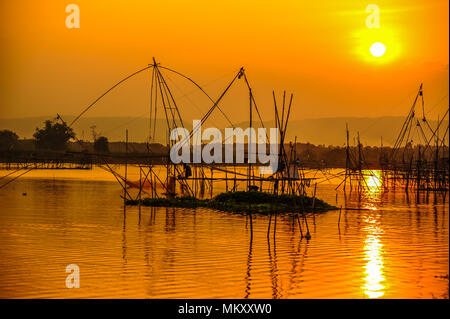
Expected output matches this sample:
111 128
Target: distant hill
327 131
332 131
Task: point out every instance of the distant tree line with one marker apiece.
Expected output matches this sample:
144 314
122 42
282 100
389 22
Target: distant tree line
56 136
53 136
8 140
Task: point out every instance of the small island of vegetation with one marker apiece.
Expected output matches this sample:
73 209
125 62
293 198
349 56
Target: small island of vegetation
240 202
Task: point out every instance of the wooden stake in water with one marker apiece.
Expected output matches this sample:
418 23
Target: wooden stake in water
314 197
211 183
339 221
226 179
140 191
126 171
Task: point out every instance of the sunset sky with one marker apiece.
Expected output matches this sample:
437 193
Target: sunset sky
318 50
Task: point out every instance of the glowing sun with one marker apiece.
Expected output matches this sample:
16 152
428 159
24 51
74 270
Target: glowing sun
378 49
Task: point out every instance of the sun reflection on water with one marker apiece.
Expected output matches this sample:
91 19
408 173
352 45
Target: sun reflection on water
373 180
373 251
372 186
373 248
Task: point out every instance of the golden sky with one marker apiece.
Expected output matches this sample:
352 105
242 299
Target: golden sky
318 50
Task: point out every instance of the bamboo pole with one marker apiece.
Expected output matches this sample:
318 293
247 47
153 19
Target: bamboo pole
140 189
314 197
339 220
126 172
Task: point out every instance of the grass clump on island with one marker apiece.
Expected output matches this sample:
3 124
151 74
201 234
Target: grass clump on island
252 201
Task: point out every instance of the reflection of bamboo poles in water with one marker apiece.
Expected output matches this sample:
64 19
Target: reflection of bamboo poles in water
294 274
170 219
124 237
273 269
274 227
251 226
247 275
296 217
152 215
299 225
268 227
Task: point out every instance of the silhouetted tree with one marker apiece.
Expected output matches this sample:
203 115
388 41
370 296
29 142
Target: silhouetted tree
8 140
53 136
101 145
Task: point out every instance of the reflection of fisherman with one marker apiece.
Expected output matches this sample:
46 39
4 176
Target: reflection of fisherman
187 170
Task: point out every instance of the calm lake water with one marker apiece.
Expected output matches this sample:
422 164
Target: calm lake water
396 246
